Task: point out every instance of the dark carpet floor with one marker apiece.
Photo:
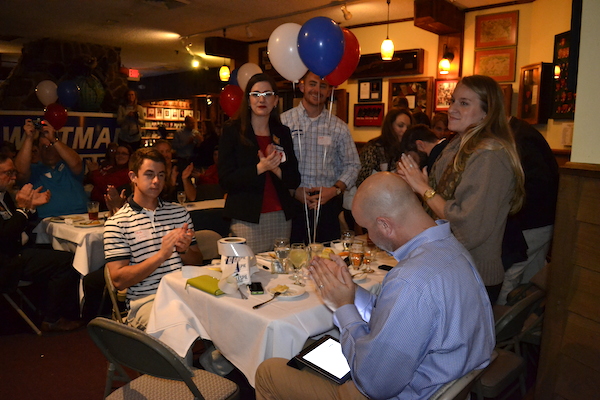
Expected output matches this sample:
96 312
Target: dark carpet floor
61 366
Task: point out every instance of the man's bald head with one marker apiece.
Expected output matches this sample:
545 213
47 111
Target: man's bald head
386 205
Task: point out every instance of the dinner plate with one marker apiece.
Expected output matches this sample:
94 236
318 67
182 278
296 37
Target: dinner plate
62 219
88 224
291 293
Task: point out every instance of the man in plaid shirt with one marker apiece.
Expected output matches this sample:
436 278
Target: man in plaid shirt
327 159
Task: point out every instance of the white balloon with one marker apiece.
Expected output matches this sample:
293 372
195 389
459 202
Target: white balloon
46 92
246 72
283 52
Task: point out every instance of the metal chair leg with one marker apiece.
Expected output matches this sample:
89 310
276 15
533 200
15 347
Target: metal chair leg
21 312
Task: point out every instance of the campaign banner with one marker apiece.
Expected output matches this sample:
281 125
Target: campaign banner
87 133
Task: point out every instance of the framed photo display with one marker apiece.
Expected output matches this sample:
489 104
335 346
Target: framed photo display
369 90
416 92
443 93
563 105
499 64
368 114
496 30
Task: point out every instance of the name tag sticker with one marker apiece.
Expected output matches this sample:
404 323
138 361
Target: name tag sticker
141 236
324 140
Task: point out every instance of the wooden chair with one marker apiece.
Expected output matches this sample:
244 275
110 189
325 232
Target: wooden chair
166 376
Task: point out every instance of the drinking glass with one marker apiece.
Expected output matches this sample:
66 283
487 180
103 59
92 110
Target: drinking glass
281 246
368 257
316 249
181 197
298 258
93 207
356 254
347 238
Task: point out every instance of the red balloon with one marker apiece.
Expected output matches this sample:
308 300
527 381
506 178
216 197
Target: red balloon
231 99
348 62
56 115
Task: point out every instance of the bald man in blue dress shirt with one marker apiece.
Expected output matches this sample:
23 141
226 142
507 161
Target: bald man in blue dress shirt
430 324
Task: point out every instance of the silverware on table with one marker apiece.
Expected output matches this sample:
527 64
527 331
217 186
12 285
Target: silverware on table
275 295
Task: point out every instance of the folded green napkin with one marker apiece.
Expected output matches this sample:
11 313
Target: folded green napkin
206 283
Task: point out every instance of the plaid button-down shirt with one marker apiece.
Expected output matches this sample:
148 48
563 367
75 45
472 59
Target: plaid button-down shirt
324 147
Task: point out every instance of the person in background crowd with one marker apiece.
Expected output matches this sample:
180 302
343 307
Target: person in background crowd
423 145
439 126
165 228
327 159
203 154
536 218
430 324
130 117
258 168
184 142
109 158
383 152
50 268
211 175
419 117
174 183
478 179
60 171
115 175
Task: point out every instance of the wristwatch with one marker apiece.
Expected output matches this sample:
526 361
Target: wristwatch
428 195
338 191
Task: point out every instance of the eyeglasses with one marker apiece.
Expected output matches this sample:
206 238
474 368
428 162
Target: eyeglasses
10 172
258 95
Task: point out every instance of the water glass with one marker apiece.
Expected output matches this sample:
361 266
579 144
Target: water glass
347 239
181 197
370 253
316 249
281 246
298 258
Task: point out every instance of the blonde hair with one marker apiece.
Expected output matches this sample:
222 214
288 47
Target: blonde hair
491 133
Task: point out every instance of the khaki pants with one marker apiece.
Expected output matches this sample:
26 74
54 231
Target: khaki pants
276 380
139 312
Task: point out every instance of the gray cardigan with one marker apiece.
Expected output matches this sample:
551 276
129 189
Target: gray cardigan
481 203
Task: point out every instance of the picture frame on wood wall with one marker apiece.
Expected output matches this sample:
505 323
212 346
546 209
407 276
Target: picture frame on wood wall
498 64
496 30
418 92
368 114
443 92
369 90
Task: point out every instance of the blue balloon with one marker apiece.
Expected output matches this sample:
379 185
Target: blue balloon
321 45
68 93
233 77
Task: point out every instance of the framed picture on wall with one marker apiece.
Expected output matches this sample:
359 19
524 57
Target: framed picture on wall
150 112
563 106
369 90
159 113
417 93
507 91
443 92
496 30
499 64
368 114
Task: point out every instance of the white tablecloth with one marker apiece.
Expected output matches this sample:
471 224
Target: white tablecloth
205 204
244 336
86 243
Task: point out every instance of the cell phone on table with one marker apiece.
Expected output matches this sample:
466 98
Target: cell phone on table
385 267
256 288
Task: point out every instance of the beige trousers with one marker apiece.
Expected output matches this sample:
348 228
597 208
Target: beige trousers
276 380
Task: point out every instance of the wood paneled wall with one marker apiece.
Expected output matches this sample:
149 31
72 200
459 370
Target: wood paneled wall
570 357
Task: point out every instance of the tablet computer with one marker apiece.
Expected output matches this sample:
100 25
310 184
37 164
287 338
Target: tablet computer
324 356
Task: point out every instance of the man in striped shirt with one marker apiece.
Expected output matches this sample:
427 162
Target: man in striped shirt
147 238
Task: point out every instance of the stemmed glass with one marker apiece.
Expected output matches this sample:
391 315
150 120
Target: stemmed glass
347 238
368 257
281 247
298 257
181 197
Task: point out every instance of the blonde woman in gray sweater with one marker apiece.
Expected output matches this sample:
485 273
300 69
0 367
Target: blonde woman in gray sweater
477 180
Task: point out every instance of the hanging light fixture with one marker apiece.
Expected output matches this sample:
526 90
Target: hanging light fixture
387 46
195 62
224 73
444 65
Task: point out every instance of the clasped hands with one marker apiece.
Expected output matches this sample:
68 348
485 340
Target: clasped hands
179 239
333 281
270 161
310 196
409 170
